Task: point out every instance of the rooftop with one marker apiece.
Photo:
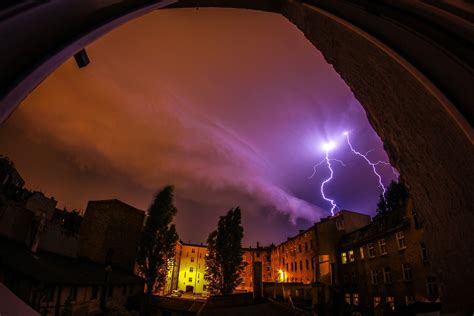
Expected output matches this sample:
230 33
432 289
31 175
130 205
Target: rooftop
52 268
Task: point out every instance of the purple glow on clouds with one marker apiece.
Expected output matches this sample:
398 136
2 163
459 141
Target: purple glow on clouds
230 106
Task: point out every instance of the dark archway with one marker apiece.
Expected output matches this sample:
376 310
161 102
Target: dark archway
427 138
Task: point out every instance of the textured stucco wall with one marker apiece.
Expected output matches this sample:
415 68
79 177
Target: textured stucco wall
432 150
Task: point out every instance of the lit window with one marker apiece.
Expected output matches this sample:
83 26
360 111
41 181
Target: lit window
371 249
377 301
406 267
361 252
391 301
387 275
401 240
382 247
347 298
355 299
432 288
351 256
374 276
424 253
344 258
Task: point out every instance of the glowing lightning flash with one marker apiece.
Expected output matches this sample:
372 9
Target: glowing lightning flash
372 164
327 148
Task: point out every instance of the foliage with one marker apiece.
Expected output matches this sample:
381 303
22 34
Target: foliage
158 241
395 198
69 220
224 262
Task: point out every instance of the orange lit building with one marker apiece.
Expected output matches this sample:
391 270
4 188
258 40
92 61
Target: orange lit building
251 256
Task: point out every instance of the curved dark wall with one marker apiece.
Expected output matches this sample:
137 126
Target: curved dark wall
426 135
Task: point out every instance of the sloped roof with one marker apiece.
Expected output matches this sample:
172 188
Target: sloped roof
56 269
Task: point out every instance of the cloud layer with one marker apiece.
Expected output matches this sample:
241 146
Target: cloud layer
229 106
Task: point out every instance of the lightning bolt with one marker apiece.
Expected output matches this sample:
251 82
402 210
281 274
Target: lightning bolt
327 148
370 163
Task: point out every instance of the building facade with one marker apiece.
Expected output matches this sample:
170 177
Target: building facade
110 233
386 264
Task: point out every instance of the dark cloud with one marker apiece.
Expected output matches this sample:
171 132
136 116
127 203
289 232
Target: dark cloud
230 106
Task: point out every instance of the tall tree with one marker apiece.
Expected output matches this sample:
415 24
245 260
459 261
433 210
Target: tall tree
158 242
395 198
224 262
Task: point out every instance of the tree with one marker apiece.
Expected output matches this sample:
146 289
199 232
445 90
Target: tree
224 262
158 242
395 198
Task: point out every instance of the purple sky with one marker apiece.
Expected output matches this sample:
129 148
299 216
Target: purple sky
230 106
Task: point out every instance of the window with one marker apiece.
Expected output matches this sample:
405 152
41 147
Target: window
311 244
406 267
351 256
382 247
340 224
377 301
391 301
305 246
312 263
190 279
344 258
307 264
371 248
416 221
374 276
432 288
192 250
192 259
354 277
301 265
424 254
95 292
387 275
401 240
258 254
347 298
355 299
296 266
191 269
287 267
361 252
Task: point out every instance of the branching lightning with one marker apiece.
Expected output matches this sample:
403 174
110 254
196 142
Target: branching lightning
327 147
372 164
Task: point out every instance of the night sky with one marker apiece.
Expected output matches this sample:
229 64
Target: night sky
230 106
